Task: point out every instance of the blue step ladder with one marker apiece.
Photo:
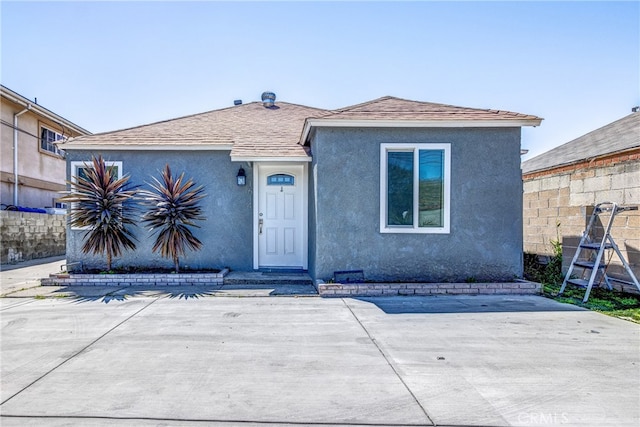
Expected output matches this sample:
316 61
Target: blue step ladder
591 265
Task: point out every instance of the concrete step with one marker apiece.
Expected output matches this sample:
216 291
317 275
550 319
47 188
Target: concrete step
267 278
262 290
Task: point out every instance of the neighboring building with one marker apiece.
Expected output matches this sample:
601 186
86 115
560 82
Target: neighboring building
29 154
562 185
404 190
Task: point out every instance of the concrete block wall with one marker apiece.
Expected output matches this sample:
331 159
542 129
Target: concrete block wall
548 213
558 204
28 235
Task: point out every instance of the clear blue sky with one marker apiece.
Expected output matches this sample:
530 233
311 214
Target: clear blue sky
107 66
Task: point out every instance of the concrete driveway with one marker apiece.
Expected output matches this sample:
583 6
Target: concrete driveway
26 275
195 359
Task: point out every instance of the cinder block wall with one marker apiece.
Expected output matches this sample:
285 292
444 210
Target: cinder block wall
28 236
558 204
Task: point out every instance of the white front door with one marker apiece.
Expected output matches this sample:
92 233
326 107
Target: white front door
281 216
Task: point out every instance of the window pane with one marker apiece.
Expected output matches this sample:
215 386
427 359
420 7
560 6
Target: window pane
431 189
47 137
113 169
280 179
43 139
400 188
81 173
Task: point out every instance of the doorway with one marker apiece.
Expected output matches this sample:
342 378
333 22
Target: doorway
280 217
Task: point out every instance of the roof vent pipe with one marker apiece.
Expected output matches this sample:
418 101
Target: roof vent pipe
268 99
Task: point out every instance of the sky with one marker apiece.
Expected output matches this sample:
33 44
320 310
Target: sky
111 65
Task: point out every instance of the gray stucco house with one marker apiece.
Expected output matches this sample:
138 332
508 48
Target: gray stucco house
404 190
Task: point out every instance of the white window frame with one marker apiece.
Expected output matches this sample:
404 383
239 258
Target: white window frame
414 148
75 165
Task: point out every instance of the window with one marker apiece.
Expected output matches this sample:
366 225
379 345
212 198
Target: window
78 169
47 139
280 179
414 188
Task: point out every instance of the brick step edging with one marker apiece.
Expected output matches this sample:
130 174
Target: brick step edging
135 279
390 289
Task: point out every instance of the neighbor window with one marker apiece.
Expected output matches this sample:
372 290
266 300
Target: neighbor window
47 139
414 188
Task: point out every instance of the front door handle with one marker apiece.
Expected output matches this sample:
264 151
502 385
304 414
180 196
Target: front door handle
260 223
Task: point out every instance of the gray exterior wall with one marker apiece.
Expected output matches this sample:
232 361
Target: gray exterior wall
226 234
485 242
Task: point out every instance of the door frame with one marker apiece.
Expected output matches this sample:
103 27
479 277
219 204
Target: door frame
304 183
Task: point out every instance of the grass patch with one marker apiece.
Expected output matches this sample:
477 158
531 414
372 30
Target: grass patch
613 303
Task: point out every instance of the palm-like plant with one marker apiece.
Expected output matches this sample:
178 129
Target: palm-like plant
102 203
172 207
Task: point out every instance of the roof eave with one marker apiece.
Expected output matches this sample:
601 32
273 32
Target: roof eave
519 122
242 158
50 115
153 147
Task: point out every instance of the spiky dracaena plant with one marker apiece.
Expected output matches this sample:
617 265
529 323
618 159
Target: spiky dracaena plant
104 204
172 207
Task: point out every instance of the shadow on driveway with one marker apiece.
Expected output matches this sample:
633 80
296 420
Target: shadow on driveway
107 294
125 293
467 304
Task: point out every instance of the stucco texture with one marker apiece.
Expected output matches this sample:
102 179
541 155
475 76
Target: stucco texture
226 232
485 239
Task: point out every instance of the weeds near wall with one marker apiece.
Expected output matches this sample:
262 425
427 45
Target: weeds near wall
549 273
613 303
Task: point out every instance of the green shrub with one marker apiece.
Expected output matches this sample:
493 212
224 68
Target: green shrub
547 274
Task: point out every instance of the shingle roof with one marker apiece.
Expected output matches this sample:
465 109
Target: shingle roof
621 135
248 129
392 108
252 131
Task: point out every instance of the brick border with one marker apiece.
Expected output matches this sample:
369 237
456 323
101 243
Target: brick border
136 279
519 287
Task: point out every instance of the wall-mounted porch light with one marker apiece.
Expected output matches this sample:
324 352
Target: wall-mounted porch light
241 177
